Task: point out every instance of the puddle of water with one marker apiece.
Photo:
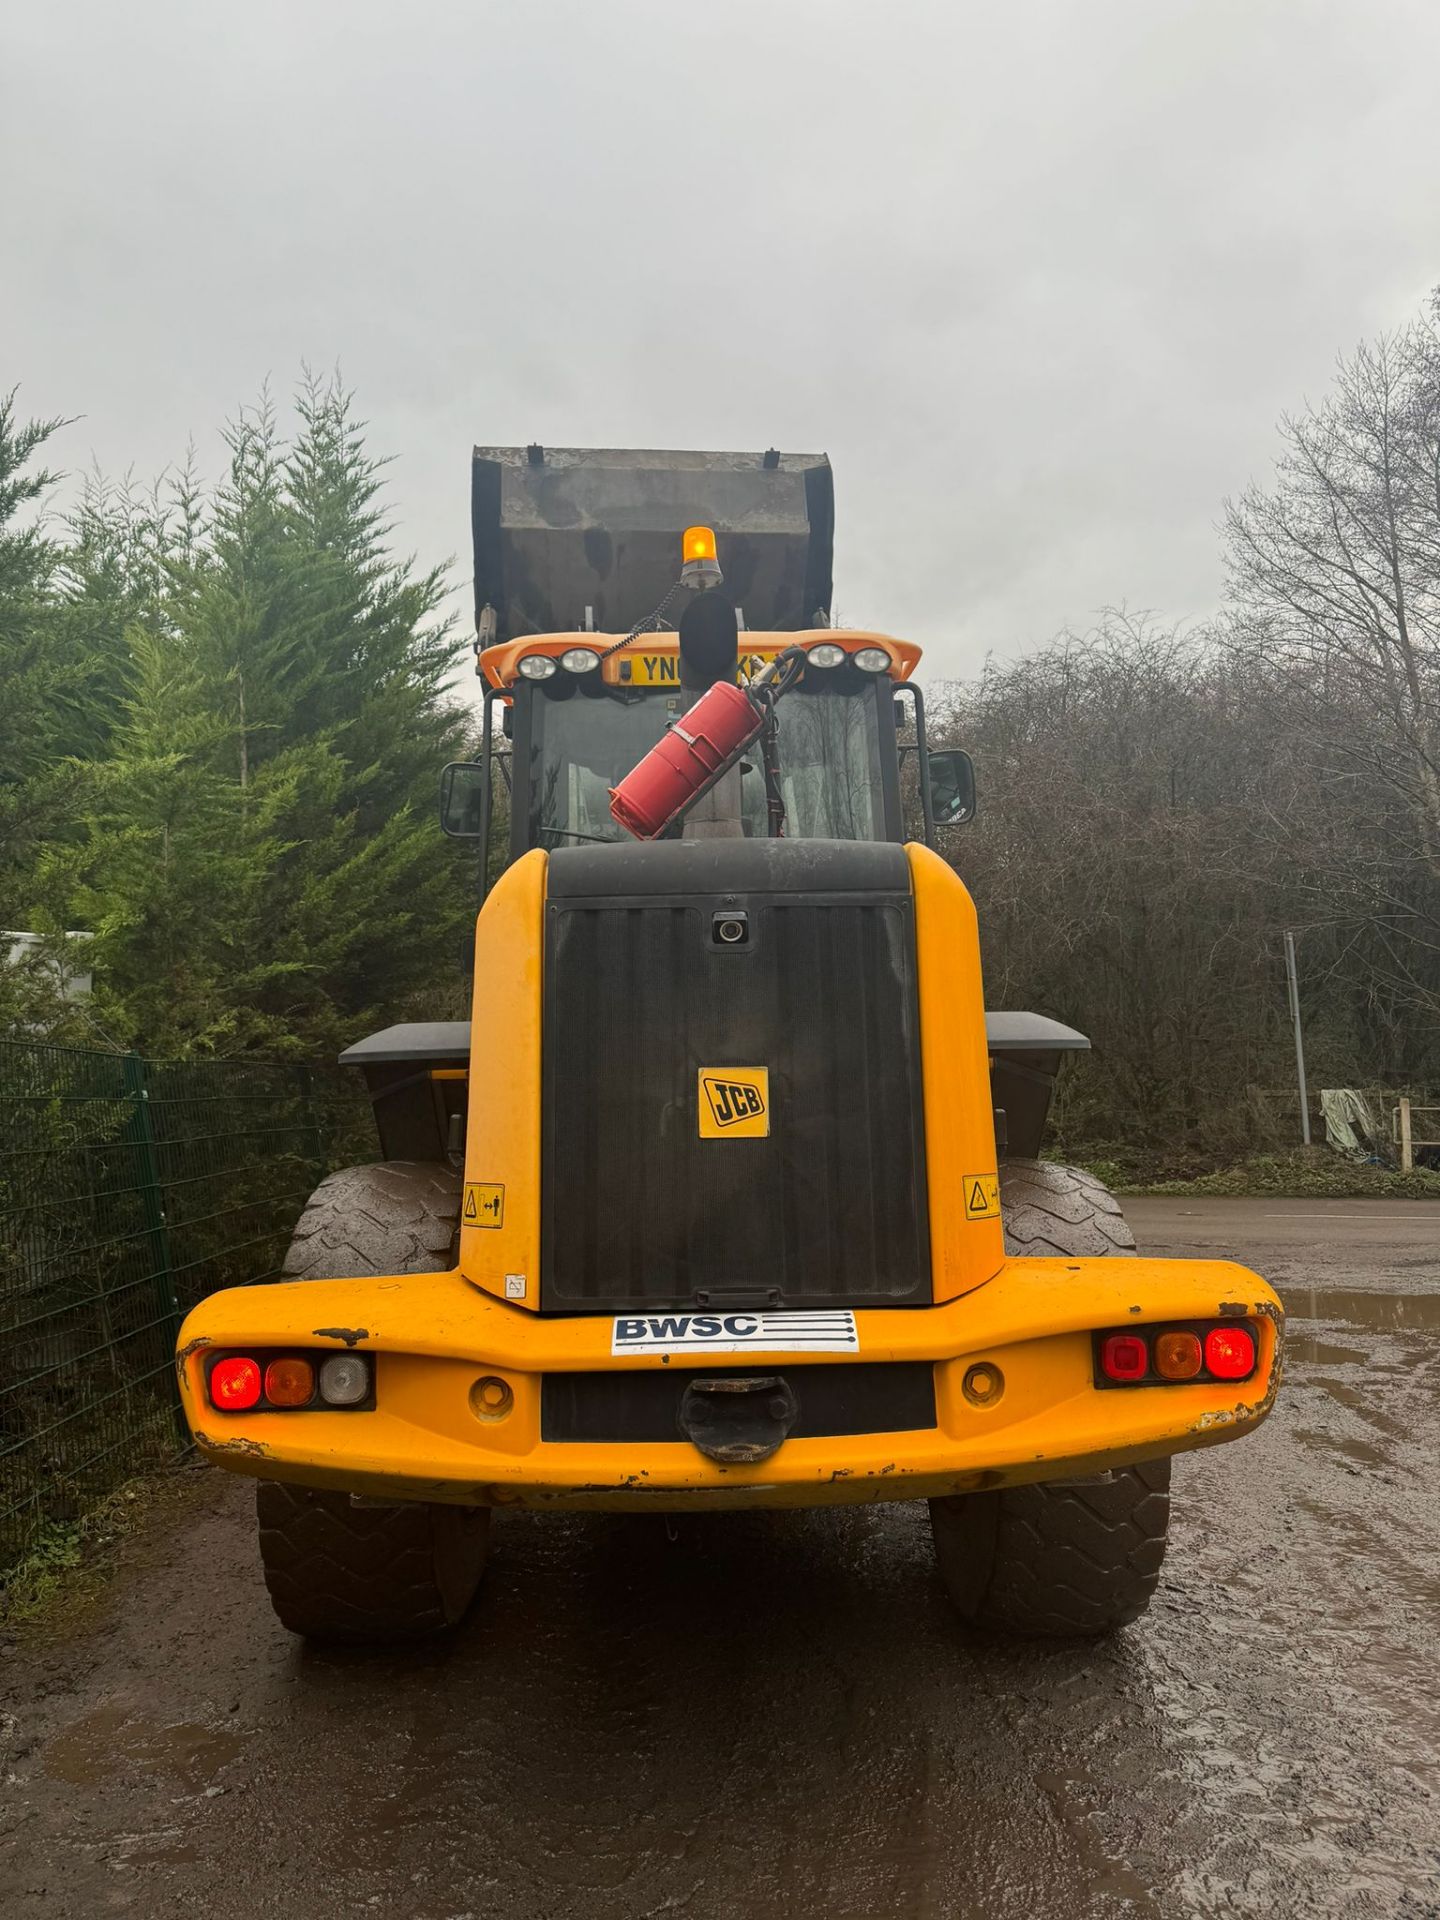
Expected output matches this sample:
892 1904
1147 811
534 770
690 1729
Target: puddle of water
1358 1450
1300 1346
1381 1311
112 1741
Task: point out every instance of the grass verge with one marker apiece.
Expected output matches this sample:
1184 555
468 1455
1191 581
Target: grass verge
1317 1175
72 1561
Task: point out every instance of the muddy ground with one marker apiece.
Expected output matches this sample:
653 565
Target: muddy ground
751 1715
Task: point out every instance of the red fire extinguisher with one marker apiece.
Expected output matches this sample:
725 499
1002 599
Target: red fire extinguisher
693 754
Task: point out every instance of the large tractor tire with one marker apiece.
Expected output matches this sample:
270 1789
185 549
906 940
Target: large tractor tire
367 1575
1072 1559
401 1216
1063 1212
340 1572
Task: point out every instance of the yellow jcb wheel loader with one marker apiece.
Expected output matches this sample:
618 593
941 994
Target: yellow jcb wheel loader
730 1193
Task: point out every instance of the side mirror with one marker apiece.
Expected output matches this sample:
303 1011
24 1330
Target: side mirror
952 787
462 799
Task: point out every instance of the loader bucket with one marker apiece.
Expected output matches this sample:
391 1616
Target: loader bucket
567 536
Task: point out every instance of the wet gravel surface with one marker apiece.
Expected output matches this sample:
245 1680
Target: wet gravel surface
762 1715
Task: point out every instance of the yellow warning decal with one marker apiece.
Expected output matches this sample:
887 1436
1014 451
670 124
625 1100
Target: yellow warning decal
484 1205
734 1103
982 1196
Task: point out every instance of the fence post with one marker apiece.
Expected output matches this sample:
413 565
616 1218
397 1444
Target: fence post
1407 1148
141 1130
306 1082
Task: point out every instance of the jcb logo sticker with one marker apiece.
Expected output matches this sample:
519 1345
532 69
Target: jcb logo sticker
982 1196
734 1103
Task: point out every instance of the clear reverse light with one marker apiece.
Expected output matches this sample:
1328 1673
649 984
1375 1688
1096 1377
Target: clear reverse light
872 660
538 666
827 654
344 1379
580 660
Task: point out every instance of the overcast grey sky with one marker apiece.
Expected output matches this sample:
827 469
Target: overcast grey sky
1038 276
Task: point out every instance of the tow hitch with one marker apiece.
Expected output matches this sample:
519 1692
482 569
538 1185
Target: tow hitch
738 1421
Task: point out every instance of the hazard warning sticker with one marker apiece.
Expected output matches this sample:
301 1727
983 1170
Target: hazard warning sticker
484 1205
982 1196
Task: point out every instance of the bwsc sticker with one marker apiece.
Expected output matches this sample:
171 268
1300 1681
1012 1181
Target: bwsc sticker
817 1332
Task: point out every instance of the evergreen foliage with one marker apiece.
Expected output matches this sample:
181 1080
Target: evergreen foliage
31 672
240 697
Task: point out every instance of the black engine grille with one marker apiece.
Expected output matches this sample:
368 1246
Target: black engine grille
638 1210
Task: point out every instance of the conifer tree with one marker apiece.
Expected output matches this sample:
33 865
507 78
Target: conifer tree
264 870
37 689
28 670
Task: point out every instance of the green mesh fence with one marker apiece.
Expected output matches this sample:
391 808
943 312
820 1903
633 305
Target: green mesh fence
130 1189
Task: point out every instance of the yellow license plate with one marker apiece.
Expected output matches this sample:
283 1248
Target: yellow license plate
663 669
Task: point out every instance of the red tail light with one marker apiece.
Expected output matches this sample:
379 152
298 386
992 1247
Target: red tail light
235 1384
1170 1356
1230 1352
1124 1356
263 1381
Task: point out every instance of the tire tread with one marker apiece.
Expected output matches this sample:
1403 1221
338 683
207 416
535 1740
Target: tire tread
1064 1559
355 1574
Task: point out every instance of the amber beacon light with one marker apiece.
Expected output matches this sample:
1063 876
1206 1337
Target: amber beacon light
700 561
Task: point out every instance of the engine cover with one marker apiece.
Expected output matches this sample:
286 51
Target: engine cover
732 1121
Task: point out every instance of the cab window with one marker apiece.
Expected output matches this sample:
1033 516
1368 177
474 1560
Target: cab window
583 743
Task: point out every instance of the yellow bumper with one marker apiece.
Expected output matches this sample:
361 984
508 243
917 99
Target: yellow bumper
433 1337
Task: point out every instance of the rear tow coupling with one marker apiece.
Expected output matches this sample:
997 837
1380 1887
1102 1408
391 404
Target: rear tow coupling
738 1421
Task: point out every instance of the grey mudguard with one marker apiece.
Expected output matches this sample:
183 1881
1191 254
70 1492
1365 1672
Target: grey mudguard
1031 1033
1025 1054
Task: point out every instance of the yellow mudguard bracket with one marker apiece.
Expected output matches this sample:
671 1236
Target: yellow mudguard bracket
1015 1390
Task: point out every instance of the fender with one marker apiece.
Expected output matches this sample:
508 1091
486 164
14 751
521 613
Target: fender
1026 1051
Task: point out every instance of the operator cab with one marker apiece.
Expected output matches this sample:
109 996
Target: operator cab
577 606
582 710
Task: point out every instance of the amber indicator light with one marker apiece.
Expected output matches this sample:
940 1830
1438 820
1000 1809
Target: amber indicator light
289 1382
1178 1356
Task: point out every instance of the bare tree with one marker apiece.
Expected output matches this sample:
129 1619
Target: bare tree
1335 576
